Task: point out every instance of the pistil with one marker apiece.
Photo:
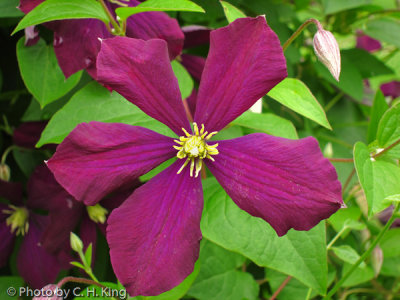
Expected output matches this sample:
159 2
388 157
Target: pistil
194 148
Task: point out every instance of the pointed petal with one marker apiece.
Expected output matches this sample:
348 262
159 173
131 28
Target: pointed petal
27 134
245 61
151 25
194 64
6 238
27 5
142 73
76 44
45 193
196 35
191 101
34 263
98 158
286 182
154 235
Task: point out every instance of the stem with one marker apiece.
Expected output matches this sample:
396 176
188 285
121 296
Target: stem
5 154
335 238
333 101
111 18
343 160
78 280
299 30
348 180
387 149
365 255
308 294
280 288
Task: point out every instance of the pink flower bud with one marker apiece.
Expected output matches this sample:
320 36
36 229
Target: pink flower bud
327 50
377 260
49 292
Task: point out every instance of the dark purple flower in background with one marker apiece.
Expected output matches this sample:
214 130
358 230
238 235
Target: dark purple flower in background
391 89
367 43
34 262
154 235
76 42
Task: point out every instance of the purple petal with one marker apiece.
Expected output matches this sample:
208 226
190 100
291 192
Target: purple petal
88 235
196 35
194 64
28 134
11 191
27 5
45 193
98 158
141 72
245 61
367 43
391 89
76 44
31 36
191 101
34 263
152 25
286 182
154 235
6 237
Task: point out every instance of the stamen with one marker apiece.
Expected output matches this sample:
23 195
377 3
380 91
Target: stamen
194 148
18 219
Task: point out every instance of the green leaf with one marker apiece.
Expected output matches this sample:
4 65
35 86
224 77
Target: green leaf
347 254
345 217
42 74
185 81
378 178
379 107
158 5
334 6
8 9
96 103
390 243
179 291
389 130
366 63
359 275
268 123
218 277
232 228
384 29
294 94
88 255
231 12
51 10
351 81
10 282
77 264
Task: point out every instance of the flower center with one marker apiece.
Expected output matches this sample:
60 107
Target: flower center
194 148
18 219
97 213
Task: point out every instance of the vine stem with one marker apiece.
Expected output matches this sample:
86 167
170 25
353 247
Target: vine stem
6 152
336 237
365 255
343 160
299 30
280 288
387 148
111 18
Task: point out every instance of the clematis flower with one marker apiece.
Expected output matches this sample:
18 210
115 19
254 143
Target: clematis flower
154 235
76 42
366 42
34 263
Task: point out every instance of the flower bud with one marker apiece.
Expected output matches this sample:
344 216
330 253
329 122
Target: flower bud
49 292
4 172
76 243
327 50
328 150
377 260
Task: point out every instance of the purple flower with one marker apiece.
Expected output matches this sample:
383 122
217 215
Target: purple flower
76 42
367 43
154 235
34 262
391 89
